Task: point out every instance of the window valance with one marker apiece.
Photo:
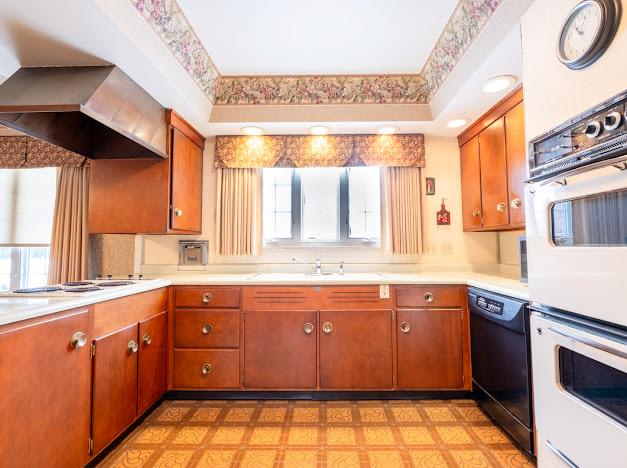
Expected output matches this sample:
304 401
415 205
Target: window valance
320 151
17 152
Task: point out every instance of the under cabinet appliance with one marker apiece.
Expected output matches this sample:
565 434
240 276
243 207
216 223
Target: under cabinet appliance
580 385
499 330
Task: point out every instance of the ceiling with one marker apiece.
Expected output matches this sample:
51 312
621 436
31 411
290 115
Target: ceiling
326 37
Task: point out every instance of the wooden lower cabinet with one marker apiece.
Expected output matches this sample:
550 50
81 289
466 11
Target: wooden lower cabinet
280 349
151 366
206 369
430 348
115 385
45 397
356 349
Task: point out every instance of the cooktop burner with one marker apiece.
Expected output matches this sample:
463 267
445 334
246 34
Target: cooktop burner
82 289
78 283
115 283
38 290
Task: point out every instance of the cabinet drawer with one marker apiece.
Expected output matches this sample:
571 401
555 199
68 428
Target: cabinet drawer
428 296
206 369
206 328
207 297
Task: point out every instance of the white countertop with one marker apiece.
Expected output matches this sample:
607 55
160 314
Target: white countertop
15 309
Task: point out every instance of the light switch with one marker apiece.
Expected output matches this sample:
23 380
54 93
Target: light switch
384 291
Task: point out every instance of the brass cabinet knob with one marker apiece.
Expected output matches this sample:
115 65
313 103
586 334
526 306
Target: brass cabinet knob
207 298
476 212
327 327
133 346
206 328
515 203
500 207
206 368
178 212
147 339
405 327
429 297
78 340
308 328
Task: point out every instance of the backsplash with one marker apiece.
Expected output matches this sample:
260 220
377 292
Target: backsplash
112 254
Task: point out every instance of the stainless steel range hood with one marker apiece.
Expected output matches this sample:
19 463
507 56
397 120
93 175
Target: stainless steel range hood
98 111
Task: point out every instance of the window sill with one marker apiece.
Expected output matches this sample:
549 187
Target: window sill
322 245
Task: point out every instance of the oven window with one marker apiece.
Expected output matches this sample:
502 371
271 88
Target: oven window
597 220
599 385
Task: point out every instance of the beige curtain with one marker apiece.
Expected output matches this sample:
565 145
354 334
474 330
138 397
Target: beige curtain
68 246
238 209
402 210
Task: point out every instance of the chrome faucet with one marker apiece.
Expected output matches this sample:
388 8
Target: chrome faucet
318 267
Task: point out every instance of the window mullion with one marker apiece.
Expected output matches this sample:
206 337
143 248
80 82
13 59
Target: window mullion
343 211
297 204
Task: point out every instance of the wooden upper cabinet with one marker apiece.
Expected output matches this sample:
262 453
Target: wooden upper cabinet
493 167
471 184
151 366
356 349
148 196
516 163
115 385
46 390
493 175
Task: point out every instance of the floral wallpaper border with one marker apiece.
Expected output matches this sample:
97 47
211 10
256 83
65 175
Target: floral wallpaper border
466 22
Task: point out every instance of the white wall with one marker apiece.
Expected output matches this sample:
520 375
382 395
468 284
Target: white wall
443 245
554 93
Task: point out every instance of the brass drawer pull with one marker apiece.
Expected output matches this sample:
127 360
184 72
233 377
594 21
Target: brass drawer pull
327 327
405 327
308 328
206 369
515 203
133 346
429 297
147 339
500 207
476 212
206 328
207 298
178 212
78 340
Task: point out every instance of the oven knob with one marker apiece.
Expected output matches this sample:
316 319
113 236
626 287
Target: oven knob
593 129
612 120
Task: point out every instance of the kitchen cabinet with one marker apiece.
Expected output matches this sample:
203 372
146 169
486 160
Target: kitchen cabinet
115 385
356 349
151 365
433 338
280 349
493 168
46 391
150 196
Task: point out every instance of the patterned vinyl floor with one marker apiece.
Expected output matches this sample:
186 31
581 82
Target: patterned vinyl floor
385 434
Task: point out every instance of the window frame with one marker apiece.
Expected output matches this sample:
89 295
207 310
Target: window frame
344 238
20 266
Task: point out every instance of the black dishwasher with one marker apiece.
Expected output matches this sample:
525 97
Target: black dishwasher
501 362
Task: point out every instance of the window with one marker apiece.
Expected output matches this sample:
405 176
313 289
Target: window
322 205
23 267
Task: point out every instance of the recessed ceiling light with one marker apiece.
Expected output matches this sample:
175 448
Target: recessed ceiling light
457 123
319 130
252 131
498 83
388 130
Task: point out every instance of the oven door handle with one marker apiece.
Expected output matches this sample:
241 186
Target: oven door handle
592 343
560 454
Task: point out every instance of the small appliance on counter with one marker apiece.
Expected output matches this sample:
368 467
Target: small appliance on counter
501 362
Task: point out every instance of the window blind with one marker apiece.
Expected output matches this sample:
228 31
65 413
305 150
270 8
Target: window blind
27 199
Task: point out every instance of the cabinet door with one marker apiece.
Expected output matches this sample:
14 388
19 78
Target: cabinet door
516 163
493 175
430 348
471 184
356 349
186 183
45 397
151 383
280 349
115 385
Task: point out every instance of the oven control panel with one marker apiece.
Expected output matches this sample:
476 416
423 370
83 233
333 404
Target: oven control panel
490 305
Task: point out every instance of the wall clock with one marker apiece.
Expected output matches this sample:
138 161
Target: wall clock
587 32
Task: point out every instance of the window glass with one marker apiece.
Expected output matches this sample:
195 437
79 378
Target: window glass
35 262
320 190
5 268
277 203
364 203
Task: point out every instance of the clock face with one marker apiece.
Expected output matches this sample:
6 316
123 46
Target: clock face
581 31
